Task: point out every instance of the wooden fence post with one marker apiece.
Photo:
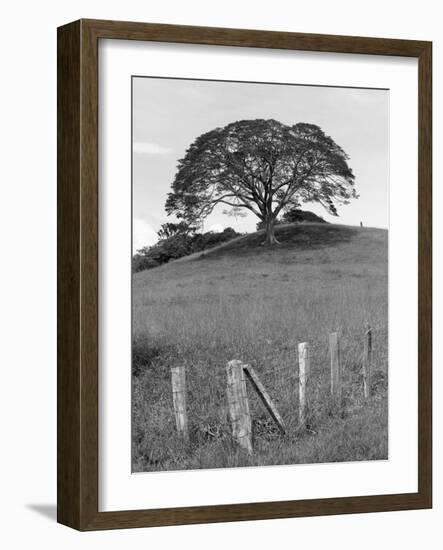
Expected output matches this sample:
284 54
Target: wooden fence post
238 405
303 373
335 364
265 397
367 362
178 379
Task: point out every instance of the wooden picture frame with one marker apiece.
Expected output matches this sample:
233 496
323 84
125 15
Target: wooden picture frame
77 456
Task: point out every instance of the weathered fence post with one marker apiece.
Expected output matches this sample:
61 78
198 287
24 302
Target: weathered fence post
238 405
303 373
265 397
367 362
178 379
335 364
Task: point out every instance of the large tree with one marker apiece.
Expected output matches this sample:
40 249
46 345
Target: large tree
262 166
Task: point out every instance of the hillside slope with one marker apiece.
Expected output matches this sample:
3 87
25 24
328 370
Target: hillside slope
245 301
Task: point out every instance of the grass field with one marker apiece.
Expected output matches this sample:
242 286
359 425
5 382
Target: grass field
255 304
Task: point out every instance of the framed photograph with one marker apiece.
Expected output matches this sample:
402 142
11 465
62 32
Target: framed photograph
244 275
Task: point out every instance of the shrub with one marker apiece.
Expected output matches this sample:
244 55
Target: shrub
141 262
295 215
179 245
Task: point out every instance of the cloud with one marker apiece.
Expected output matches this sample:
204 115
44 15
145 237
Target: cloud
150 148
142 234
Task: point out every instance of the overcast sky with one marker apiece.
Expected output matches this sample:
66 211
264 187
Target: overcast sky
169 114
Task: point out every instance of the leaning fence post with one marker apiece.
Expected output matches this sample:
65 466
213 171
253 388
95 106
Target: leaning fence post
264 397
178 379
335 364
367 362
238 405
303 373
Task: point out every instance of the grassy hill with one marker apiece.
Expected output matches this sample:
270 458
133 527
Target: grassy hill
245 301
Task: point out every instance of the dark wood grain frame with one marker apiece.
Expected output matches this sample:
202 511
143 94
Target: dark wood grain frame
77 455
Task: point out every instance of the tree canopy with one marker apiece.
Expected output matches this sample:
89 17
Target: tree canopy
262 166
170 229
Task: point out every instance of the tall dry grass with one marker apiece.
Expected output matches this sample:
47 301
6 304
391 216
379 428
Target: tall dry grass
256 305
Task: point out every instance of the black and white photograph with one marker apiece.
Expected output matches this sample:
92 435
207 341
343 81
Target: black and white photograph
260 234
220 288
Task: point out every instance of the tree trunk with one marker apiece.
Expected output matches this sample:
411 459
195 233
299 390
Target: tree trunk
270 234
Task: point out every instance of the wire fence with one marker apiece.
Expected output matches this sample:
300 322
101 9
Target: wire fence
279 373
